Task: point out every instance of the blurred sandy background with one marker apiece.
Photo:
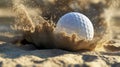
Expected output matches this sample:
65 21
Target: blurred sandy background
13 56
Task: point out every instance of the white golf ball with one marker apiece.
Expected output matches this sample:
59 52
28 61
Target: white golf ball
75 22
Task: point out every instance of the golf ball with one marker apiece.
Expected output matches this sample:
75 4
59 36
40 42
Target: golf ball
78 23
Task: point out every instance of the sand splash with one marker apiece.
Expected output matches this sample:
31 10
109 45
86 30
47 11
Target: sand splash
39 29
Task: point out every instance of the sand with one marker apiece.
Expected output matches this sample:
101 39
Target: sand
13 54
56 58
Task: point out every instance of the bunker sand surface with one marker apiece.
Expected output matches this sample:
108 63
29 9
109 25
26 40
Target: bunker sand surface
12 54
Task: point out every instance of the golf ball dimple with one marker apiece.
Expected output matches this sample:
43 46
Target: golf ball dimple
75 22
